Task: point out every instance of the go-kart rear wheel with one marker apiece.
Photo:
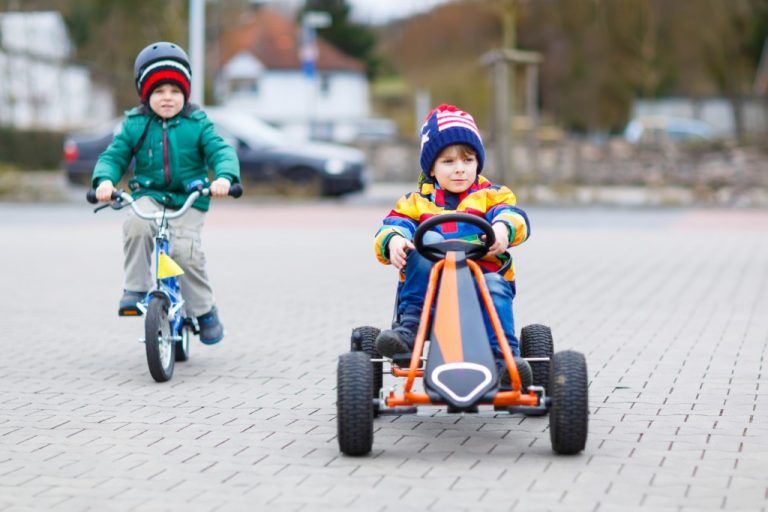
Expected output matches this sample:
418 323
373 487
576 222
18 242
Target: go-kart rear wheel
367 338
182 346
536 341
354 406
158 341
568 389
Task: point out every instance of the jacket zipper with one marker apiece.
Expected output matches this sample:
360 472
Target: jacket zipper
166 165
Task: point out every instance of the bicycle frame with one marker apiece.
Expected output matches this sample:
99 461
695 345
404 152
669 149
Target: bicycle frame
166 270
165 287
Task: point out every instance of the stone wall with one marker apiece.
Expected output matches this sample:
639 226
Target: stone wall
574 163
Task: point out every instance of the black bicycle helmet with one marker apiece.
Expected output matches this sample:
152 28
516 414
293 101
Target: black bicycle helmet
158 63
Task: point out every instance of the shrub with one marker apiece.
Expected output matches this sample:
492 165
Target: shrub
31 149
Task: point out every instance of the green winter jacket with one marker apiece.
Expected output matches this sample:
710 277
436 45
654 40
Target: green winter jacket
193 148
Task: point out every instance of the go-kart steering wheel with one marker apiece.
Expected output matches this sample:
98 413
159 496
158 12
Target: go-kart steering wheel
437 251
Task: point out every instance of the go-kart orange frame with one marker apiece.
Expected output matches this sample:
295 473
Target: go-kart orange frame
450 343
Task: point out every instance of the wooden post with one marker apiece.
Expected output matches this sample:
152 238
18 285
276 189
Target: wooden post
532 88
502 136
502 61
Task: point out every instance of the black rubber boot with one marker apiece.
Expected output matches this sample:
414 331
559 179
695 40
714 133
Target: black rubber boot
128 302
523 368
395 341
398 340
211 330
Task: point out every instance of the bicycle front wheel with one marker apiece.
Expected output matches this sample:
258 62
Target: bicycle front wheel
158 341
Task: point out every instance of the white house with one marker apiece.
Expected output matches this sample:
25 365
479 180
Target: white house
260 72
39 88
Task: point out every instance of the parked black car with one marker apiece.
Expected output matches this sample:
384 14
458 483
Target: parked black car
267 157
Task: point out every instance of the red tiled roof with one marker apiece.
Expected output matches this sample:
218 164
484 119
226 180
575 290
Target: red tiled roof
274 40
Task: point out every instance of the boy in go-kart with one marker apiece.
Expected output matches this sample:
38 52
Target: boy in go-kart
452 158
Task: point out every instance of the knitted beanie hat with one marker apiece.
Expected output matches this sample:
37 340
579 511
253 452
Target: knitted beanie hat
447 125
162 63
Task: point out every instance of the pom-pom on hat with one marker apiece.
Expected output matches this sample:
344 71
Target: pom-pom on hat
162 63
447 125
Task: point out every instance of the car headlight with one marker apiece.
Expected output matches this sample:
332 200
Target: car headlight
335 166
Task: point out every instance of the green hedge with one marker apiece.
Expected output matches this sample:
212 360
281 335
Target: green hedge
31 149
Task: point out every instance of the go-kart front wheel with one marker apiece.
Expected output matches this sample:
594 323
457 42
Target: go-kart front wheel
158 341
568 390
354 405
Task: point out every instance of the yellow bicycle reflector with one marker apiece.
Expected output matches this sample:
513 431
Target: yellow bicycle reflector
166 267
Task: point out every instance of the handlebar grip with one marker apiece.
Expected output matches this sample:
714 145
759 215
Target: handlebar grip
90 196
236 190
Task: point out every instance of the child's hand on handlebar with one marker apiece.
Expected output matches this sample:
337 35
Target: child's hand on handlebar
220 187
398 247
104 191
502 239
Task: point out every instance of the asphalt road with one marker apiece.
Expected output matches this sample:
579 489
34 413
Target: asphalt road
669 307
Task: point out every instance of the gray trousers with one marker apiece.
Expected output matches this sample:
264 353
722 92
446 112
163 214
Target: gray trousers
186 250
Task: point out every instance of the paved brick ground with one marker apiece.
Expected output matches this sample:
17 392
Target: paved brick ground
669 306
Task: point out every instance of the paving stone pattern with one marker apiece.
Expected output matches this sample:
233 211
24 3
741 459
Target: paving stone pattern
670 308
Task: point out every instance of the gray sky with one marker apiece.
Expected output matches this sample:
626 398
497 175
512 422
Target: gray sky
381 11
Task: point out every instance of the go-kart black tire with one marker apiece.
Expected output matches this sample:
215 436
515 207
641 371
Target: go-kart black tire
159 346
367 336
182 346
569 393
354 406
536 341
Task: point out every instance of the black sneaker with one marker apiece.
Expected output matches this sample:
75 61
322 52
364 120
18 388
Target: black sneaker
398 340
523 368
211 330
128 302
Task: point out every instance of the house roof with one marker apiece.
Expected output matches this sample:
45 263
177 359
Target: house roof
274 40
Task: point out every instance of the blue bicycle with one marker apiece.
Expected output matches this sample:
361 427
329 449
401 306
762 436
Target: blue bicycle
166 326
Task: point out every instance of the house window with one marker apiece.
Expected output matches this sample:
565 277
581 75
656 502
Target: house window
325 84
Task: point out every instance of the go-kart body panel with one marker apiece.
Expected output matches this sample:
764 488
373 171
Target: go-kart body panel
460 368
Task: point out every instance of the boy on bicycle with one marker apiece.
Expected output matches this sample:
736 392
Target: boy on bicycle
452 156
174 144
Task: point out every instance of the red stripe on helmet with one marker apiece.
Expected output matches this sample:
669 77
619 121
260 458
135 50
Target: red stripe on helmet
165 75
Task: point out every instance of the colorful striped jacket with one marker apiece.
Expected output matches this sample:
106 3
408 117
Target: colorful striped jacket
495 203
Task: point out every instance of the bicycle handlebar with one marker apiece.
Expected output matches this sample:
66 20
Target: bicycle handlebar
236 190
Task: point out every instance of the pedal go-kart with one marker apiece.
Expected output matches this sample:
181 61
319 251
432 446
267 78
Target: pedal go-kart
453 358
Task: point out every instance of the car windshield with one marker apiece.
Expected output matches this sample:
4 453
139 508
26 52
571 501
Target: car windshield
247 128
